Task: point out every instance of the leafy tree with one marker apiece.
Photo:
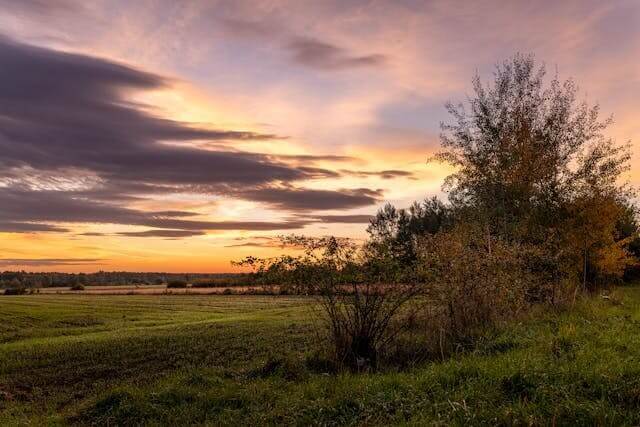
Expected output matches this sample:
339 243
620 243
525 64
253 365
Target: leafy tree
593 235
394 233
533 162
524 148
627 229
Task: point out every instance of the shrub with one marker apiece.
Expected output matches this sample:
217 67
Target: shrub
77 287
177 284
207 285
364 323
222 282
361 312
476 281
15 291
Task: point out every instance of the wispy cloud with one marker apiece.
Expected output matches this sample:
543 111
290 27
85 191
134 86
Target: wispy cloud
303 50
326 56
300 199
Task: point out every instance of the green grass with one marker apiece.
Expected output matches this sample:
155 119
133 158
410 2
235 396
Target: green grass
237 360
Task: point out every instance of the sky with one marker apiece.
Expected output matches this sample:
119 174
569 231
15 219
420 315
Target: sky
163 135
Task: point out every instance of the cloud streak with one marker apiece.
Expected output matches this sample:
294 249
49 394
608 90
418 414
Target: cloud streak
344 219
303 199
306 51
43 262
325 56
162 233
22 207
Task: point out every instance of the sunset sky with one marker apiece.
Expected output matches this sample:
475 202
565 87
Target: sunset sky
163 135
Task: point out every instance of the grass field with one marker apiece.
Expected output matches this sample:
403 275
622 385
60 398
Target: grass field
234 360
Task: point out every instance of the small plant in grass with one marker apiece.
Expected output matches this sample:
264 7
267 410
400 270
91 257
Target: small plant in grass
518 387
319 362
77 287
285 367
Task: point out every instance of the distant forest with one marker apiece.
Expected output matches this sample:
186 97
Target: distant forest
13 279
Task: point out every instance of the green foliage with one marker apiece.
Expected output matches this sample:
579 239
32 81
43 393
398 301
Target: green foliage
394 233
111 278
283 367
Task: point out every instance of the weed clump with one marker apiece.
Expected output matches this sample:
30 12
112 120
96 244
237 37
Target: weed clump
518 387
320 363
563 347
283 367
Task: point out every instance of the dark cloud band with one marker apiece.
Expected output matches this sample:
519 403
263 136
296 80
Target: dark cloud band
65 114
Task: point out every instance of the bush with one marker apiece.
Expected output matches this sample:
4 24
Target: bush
364 323
361 312
207 284
177 284
222 282
475 282
77 287
15 291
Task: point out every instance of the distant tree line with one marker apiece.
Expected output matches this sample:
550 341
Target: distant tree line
17 279
537 213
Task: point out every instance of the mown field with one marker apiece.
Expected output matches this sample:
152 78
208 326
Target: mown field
238 360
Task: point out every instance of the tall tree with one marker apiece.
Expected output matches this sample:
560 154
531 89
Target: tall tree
524 148
531 161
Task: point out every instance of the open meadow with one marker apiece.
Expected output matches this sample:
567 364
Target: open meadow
234 360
